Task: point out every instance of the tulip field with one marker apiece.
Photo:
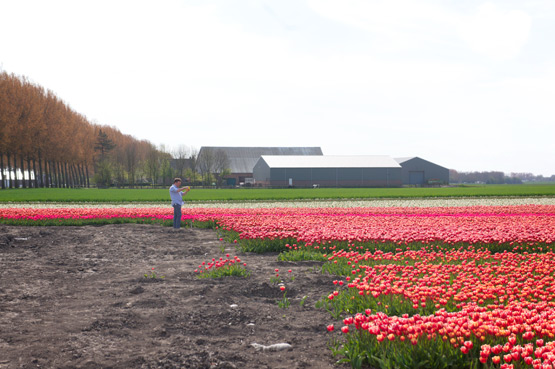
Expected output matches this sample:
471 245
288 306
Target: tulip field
416 287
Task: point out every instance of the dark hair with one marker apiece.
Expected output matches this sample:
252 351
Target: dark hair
177 180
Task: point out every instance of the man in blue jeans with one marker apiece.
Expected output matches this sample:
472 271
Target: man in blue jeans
176 194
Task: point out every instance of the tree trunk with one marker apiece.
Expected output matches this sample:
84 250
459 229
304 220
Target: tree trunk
35 173
52 166
65 183
73 178
8 172
29 183
51 175
2 172
59 178
52 171
64 174
10 181
42 178
15 180
87 175
76 175
82 175
54 175
76 182
22 171
70 175
45 180
59 174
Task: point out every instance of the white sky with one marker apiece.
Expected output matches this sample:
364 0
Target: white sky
469 85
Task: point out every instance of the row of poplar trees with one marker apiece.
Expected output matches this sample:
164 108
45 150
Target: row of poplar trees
42 138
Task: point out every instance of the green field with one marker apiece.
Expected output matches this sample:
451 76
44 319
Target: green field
162 195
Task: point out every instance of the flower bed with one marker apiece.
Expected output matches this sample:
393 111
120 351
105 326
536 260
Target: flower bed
446 309
418 287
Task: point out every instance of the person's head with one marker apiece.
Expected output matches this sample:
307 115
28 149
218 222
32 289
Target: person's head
177 181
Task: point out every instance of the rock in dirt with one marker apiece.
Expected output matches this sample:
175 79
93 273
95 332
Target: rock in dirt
274 347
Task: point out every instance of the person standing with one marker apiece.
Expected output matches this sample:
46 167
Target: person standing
176 194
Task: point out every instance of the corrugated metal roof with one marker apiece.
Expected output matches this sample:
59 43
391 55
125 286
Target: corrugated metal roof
402 160
243 159
331 161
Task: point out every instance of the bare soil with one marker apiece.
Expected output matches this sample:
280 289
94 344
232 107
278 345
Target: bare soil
76 297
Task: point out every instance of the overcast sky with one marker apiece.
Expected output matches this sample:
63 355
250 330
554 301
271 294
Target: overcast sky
469 85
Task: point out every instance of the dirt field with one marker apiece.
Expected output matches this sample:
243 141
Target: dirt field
76 297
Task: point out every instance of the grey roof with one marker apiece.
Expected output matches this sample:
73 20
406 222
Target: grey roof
331 161
186 163
243 159
402 160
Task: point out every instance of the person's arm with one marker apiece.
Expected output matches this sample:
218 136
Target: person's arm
184 189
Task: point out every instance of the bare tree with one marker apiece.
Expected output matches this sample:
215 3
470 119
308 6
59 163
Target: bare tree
193 163
165 158
205 162
180 155
221 165
152 165
131 161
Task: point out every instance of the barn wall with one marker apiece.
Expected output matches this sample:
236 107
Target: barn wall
322 174
335 177
261 172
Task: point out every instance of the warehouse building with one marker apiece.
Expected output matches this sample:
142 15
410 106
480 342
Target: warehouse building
419 172
243 159
327 171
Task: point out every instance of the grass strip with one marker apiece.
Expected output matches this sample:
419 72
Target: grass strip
113 195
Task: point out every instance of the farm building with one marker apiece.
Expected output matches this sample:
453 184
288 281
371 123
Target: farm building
243 159
417 172
327 171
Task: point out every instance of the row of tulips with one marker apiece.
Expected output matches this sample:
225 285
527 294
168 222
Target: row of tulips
327 203
522 225
507 225
458 276
509 210
128 211
472 308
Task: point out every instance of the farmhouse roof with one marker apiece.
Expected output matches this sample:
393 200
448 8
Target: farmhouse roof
330 161
402 160
243 159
